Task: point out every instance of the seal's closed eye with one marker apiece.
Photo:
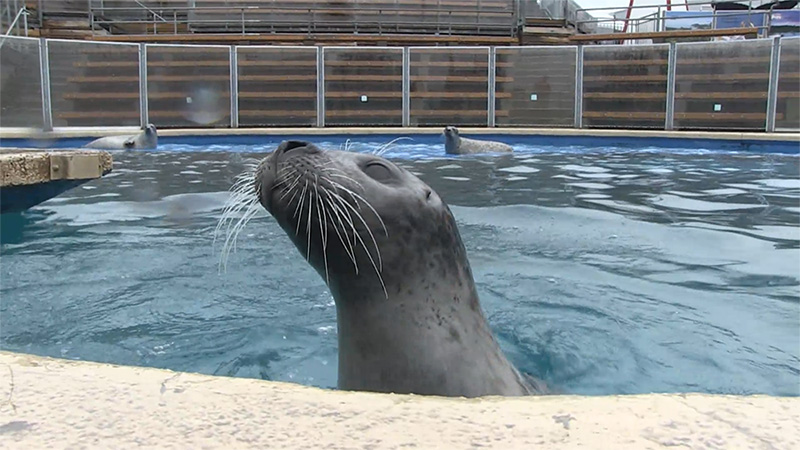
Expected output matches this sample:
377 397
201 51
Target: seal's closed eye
378 171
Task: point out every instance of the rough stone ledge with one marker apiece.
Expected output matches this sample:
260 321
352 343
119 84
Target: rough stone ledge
54 403
27 166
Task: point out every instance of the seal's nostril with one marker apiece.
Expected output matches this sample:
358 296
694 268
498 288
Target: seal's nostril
287 146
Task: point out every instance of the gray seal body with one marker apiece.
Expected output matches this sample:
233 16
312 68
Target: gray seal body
454 144
408 314
147 139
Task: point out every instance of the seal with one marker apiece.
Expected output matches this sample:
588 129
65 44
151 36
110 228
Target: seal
457 145
145 140
408 314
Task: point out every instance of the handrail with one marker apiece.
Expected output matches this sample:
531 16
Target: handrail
23 12
311 15
150 10
659 18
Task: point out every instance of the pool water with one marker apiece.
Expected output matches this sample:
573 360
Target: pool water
602 270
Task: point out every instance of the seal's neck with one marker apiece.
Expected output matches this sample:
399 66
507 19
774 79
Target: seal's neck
429 337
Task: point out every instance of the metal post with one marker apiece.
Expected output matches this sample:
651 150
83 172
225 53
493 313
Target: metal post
44 70
669 121
579 88
320 87
491 88
234 59
772 92
406 88
144 108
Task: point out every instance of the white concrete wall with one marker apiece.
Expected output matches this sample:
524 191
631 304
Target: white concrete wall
53 403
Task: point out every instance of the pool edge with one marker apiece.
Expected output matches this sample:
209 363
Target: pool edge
19 133
122 406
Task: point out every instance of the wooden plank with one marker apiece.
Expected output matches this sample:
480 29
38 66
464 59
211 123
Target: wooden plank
686 95
685 61
746 31
679 116
725 78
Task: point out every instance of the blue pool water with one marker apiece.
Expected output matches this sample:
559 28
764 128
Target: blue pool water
619 268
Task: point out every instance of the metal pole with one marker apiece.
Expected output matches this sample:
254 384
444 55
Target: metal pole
579 88
406 88
772 92
491 88
144 108
44 68
234 59
320 87
669 121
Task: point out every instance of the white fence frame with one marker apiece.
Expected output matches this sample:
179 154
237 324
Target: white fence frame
47 110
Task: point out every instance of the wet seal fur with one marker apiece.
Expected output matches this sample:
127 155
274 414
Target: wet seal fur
454 144
145 140
408 314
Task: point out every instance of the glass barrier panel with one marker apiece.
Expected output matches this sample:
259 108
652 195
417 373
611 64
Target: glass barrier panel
188 86
20 83
722 85
363 86
535 86
94 84
277 86
787 116
625 86
449 86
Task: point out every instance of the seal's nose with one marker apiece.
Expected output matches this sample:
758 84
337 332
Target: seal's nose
289 146
267 172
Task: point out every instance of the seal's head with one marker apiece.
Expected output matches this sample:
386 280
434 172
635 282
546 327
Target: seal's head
358 208
150 131
408 315
451 139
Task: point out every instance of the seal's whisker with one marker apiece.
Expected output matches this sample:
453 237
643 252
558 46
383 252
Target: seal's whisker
347 216
323 231
359 197
348 248
341 217
291 186
252 210
385 147
233 234
300 208
239 199
308 228
379 266
345 177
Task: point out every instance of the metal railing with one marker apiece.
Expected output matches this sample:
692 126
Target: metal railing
10 15
661 17
492 79
355 17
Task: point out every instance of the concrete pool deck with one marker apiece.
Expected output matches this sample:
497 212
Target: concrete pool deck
56 403
22 133
29 176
